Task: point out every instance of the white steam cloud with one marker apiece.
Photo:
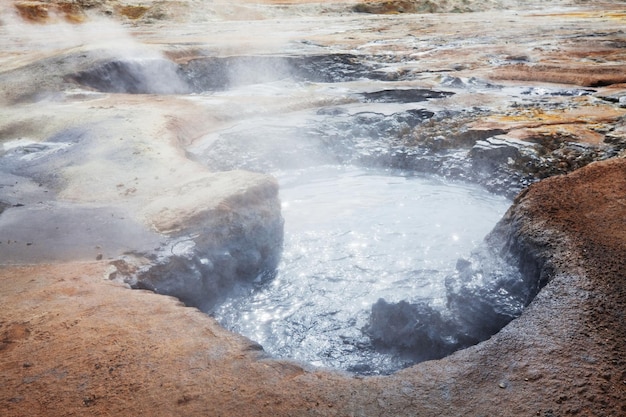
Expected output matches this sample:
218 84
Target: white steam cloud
24 43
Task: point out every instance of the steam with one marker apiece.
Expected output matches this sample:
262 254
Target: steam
96 32
142 65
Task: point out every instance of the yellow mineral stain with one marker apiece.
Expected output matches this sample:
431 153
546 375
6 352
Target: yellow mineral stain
581 123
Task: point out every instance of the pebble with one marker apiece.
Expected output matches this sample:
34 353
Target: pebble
502 385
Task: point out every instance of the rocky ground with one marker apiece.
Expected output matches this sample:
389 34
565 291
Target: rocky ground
537 93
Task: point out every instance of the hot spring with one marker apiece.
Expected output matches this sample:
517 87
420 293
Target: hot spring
384 262
352 236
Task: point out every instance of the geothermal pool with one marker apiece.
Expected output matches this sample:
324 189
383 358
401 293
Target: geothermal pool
352 236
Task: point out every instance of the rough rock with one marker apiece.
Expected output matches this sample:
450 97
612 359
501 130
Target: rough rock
414 331
227 231
490 152
424 6
583 75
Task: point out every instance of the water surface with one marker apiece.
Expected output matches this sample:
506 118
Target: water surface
352 236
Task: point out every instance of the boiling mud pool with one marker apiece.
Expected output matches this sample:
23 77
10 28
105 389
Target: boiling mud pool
353 236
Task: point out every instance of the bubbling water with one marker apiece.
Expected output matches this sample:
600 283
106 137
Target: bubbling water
353 236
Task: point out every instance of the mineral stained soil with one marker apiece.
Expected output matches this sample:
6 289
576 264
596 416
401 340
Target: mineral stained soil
72 342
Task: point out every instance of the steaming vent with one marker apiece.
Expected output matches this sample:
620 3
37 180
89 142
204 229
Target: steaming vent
161 76
141 76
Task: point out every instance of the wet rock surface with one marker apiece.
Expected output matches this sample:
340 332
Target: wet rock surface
537 95
522 146
488 290
210 250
